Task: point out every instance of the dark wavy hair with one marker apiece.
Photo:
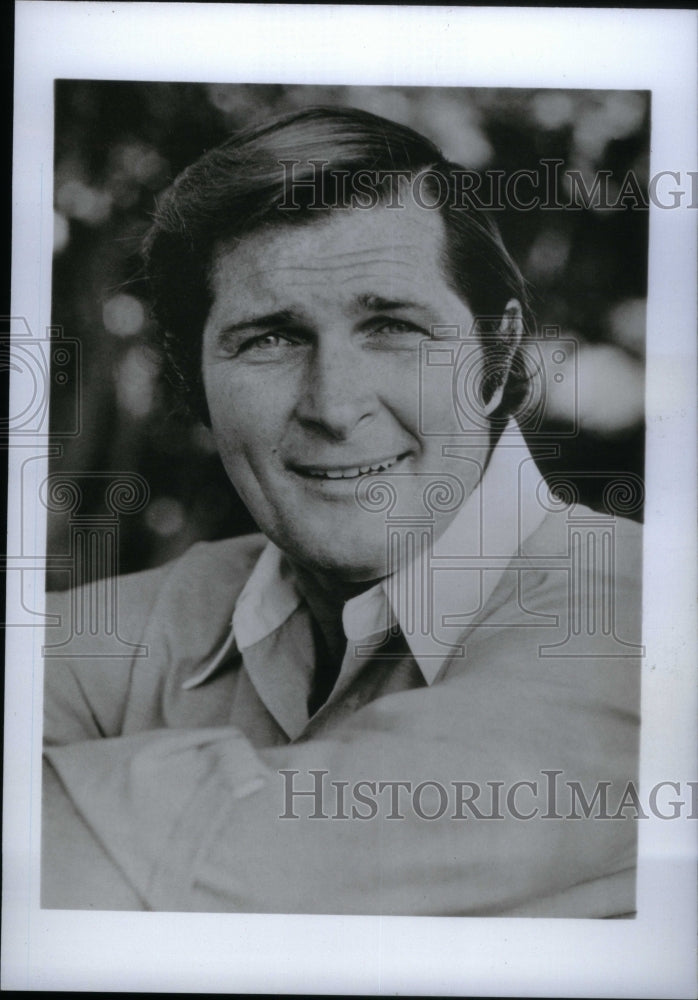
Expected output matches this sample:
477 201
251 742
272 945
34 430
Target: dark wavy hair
247 182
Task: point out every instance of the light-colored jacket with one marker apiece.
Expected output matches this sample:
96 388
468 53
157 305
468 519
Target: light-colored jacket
167 795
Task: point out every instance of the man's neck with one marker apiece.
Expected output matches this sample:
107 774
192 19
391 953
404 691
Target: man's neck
327 593
326 596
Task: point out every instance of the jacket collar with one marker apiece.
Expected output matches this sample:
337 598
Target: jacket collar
435 595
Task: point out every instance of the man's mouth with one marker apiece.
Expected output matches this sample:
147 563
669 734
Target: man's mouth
348 471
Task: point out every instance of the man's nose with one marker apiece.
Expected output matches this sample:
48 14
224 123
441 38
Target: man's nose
337 394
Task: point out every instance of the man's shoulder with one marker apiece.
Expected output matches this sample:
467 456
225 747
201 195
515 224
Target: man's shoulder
201 584
233 558
585 574
614 543
577 561
210 575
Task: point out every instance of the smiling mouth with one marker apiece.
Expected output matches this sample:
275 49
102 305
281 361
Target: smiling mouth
348 472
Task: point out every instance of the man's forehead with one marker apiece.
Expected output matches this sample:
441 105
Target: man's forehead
409 238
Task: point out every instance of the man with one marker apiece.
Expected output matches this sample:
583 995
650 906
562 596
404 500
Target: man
416 692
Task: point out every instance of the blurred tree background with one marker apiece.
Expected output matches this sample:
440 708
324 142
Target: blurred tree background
118 144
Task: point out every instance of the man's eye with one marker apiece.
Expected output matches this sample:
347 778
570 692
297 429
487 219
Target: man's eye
399 326
266 342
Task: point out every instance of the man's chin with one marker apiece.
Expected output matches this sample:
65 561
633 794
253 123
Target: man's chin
351 564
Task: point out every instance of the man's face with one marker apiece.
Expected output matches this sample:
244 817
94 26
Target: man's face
311 365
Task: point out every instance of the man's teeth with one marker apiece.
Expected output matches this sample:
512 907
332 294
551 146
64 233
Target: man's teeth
359 470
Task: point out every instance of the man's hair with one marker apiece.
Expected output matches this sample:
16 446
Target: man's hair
292 170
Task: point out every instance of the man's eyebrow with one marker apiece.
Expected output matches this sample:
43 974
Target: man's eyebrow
285 317
282 317
377 303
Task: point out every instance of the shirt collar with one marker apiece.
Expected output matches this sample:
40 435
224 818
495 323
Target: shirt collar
455 574
437 594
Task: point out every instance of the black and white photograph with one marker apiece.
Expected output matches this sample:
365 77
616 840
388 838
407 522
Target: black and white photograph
421 639
342 542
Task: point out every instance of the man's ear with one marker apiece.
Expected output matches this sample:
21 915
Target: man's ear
509 336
